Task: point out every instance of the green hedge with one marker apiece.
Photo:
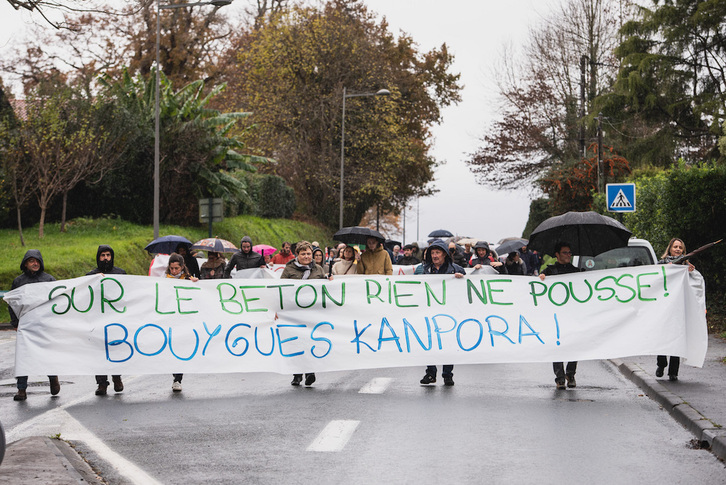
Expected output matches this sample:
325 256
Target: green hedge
267 196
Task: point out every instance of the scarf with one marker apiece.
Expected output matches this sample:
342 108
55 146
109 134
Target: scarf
307 267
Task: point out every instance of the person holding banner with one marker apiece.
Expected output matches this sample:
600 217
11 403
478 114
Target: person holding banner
178 270
213 267
562 265
33 272
676 248
104 265
438 261
482 258
375 259
245 258
303 268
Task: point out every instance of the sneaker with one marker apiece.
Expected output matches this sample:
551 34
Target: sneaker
560 384
20 396
571 381
296 380
672 378
118 385
176 386
309 379
428 379
101 390
448 381
54 386
659 372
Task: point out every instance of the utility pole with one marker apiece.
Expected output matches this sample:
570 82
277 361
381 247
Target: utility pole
583 64
600 173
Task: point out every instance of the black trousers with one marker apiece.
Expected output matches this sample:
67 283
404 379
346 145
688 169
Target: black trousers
447 371
560 371
103 380
675 364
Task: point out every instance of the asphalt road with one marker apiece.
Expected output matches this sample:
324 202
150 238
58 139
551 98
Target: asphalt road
498 424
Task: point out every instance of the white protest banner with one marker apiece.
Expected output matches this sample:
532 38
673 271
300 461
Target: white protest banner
120 324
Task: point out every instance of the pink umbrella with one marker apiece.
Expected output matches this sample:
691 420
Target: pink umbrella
263 249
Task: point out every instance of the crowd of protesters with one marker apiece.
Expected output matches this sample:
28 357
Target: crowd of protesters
305 260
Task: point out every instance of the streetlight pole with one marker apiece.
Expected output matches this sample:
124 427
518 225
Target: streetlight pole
381 92
159 8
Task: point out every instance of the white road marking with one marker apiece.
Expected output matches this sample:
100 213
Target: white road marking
59 422
377 385
334 436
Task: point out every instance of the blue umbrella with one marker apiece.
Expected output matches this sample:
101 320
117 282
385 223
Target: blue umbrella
167 244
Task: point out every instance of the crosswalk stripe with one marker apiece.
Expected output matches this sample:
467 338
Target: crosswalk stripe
377 385
334 436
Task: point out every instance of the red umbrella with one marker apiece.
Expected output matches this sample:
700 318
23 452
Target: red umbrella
263 249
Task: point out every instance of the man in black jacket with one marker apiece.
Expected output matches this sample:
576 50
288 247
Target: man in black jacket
104 265
245 258
408 259
33 270
438 261
563 255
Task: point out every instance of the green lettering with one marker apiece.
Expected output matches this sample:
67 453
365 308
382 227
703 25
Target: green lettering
471 287
180 299
327 295
641 286
248 300
297 296
491 291
634 294
589 295
535 294
598 288
279 291
370 295
225 301
156 306
430 294
53 307
105 300
398 295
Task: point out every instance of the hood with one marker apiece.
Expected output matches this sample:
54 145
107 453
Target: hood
32 253
104 266
438 243
481 244
244 240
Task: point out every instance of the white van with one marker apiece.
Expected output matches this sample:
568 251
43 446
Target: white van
639 252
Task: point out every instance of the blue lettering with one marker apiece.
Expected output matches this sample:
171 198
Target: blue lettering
117 342
280 341
458 334
358 334
321 339
234 343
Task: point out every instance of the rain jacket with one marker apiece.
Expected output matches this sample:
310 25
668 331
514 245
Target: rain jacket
449 267
241 260
558 268
376 261
29 277
105 267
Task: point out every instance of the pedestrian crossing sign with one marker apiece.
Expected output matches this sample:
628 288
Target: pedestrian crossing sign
621 197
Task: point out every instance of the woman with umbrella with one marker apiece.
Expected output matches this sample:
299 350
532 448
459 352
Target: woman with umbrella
213 268
676 248
303 268
346 265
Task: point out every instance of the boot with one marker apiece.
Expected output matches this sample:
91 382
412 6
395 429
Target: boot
101 389
20 396
54 385
118 386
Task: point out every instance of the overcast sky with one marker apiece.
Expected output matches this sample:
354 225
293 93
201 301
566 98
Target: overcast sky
475 31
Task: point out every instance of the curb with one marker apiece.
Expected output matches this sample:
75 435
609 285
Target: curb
708 435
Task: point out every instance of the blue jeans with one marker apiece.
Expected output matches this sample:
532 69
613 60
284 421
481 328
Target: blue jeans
23 382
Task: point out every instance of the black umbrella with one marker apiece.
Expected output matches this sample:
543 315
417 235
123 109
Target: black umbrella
167 244
440 233
357 235
390 243
588 234
512 245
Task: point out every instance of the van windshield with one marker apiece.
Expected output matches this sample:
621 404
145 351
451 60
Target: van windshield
617 258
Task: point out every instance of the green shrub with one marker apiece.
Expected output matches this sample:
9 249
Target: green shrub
274 197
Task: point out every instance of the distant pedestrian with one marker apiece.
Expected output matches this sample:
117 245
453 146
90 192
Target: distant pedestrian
177 270
303 268
104 265
562 265
189 260
438 261
514 264
408 259
676 248
396 254
213 267
284 255
33 270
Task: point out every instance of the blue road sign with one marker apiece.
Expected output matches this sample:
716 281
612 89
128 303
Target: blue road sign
621 197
